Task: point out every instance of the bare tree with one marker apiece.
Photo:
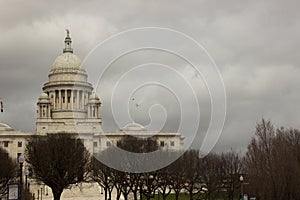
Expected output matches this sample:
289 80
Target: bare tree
177 171
259 161
231 171
272 163
136 185
192 174
123 184
211 173
58 160
8 169
103 175
149 185
165 182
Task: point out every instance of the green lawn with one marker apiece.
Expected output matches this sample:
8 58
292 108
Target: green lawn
181 197
171 197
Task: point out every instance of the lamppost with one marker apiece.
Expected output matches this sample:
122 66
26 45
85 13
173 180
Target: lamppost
21 161
28 187
242 192
150 186
26 181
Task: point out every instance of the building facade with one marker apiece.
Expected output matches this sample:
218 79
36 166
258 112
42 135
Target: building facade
68 105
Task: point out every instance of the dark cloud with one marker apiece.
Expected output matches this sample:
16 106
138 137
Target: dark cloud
254 43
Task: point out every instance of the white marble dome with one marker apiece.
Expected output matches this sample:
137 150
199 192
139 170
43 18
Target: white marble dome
67 60
133 127
5 127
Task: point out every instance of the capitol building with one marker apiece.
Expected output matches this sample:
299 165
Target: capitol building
68 105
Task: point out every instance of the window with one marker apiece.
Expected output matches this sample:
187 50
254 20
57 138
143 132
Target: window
19 144
69 99
6 155
94 111
172 143
162 143
108 143
5 143
95 144
18 155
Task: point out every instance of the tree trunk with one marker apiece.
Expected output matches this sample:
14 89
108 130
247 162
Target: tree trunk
56 194
191 195
135 195
148 196
141 193
109 194
118 196
176 195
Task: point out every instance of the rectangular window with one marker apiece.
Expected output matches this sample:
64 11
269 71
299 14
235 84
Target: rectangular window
19 144
108 143
5 143
162 143
95 144
172 143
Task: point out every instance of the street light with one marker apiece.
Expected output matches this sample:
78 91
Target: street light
21 161
28 187
26 181
26 176
242 192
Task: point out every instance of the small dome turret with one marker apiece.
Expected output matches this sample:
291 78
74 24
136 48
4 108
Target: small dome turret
133 127
5 127
44 98
93 98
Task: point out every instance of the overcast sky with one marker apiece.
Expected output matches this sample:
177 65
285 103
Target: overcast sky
254 43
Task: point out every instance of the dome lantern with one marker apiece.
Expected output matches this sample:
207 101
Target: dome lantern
68 42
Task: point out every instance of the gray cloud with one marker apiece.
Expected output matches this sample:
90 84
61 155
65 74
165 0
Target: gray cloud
254 43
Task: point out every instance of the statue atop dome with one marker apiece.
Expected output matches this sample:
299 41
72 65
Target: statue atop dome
68 42
68 32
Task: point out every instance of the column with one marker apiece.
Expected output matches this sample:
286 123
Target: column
71 100
40 111
54 99
77 99
66 99
49 113
82 100
89 111
98 111
59 100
